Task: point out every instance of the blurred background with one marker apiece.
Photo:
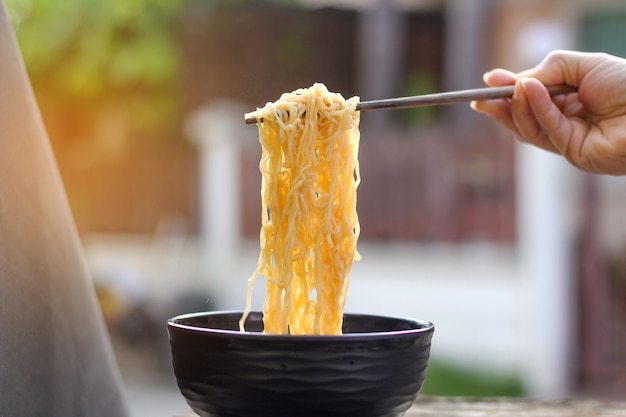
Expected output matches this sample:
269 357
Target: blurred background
517 258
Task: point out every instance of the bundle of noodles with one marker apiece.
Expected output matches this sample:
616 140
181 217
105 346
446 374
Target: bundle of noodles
309 232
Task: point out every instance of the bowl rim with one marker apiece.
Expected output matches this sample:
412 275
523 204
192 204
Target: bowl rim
425 327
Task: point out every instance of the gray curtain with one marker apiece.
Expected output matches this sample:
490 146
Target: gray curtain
55 355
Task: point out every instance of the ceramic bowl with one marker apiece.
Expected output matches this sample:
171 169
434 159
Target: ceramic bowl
375 369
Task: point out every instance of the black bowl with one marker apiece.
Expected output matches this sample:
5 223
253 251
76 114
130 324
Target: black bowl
375 369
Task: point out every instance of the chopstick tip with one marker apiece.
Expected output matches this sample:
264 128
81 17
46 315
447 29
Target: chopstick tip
250 120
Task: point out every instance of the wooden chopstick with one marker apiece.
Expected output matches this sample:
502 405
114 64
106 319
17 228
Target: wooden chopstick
476 94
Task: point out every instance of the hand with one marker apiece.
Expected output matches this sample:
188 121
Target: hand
588 127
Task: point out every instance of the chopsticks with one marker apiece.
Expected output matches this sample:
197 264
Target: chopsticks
476 94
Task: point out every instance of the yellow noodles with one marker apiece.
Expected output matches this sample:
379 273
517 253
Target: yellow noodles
309 232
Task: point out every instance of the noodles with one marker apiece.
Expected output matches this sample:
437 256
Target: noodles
309 232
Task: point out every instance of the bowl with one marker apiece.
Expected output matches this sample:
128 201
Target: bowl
374 369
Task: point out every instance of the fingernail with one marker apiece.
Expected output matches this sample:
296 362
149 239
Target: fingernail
474 106
486 76
523 82
519 88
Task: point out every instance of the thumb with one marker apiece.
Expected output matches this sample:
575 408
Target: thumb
562 67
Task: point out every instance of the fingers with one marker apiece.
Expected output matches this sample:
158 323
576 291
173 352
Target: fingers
499 77
520 114
556 129
532 114
529 111
500 110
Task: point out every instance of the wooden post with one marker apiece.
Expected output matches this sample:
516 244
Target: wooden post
465 53
219 130
380 58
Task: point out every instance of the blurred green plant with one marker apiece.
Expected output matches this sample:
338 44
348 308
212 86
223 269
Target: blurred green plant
235 2
94 51
87 52
89 46
417 83
444 378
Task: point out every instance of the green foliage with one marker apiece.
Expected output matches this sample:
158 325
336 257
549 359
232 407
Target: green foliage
419 83
84 47
445 379
87 56
99 53
239 2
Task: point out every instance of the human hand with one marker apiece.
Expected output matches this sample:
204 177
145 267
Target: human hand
588 127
